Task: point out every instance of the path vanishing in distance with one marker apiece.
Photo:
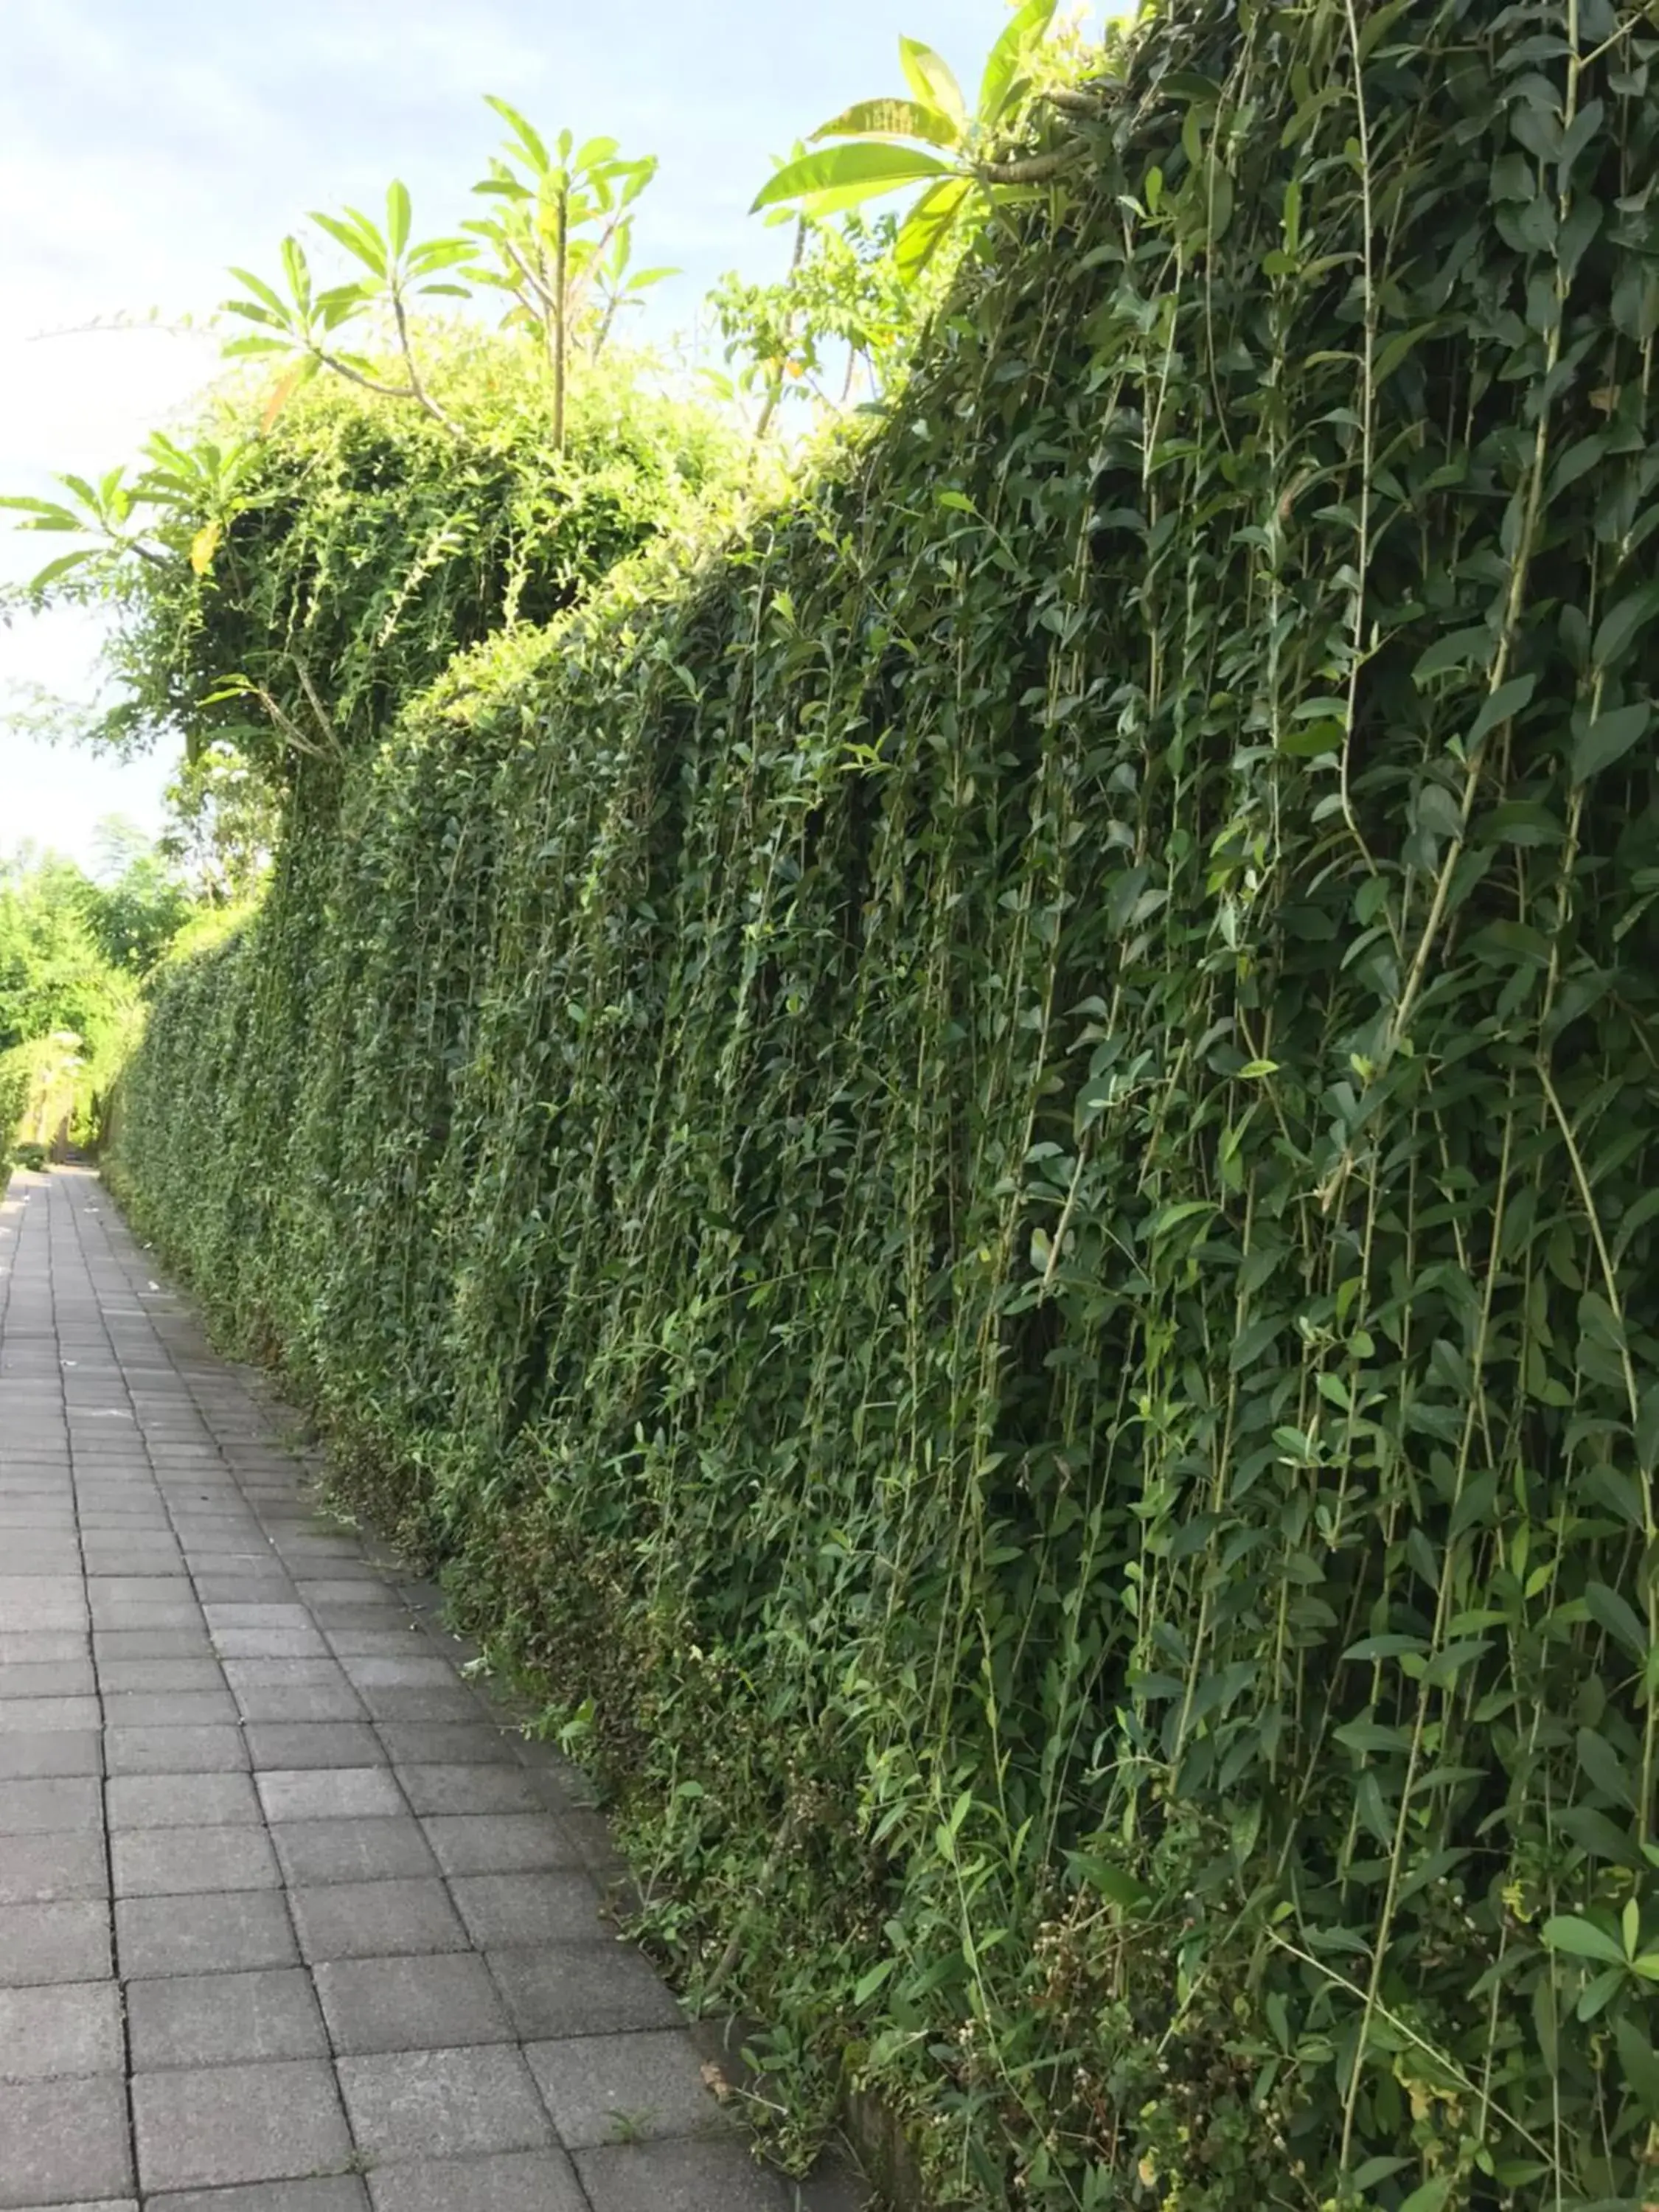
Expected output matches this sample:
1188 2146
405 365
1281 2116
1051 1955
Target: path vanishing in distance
291 1919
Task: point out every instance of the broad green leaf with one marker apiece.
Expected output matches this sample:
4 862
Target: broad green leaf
928 224
999 85
893 118
1639 2062
1608 738
45 577
1582 1939
1617 1616
274 305
860 167
1116 1883
1618 629
1429 2195
932 79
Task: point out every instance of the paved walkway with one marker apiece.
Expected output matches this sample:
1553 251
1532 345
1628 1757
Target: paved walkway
289 1922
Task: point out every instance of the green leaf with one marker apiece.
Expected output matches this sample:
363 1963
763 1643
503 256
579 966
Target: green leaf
1619 629
1605 1771
1616 1615
1608 738
530 142
1582 1939
398 217
1429 2195
1114 1883
862 167
932 79
1458 648
1002 84
48 575
893 118
359 238
1639 2064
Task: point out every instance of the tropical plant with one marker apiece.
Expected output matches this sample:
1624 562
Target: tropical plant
564 232
931 138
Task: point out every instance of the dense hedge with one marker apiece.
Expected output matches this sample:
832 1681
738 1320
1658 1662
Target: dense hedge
991 1167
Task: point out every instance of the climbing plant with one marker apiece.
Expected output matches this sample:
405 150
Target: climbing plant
987 1161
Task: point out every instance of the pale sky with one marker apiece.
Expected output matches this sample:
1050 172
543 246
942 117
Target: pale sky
144 144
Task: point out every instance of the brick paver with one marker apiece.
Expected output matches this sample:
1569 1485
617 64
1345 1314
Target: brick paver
289 1916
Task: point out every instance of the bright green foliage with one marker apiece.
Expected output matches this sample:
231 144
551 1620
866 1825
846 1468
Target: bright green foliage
72 956
992 1170
365 548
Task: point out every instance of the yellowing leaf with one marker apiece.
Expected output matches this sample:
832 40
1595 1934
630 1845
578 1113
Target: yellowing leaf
204 546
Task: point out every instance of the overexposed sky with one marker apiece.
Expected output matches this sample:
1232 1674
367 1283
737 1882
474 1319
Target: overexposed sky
144 144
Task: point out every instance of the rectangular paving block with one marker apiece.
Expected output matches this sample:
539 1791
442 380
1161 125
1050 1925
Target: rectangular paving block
48 1678
186 1862
469 1789
350 1850
419 1743
236 1931
435 2002
415 2104
293 1745
339 2192
41 1869
510 1908
617 2088
170 1708
211 2127
151 1644
269 1643
67 1804
64 2141
120 1677
603 1988
60 2028
181 1801
66 1940
207 1750
333 1792
679 2177
512 2181
30 1754
498 1843
375 1919
297 1702
217 2020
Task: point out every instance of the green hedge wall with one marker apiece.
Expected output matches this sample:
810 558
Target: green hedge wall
989 1164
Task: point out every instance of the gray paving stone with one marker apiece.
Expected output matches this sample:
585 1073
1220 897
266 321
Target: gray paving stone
67 1804
419 1672
48 1678
170 1708
269 1643
181 1801
185 1861
375 1919
512 2181
436 2001
469 1789
121 1677
41 1869
498 1843
340 2192
617 2088
417 1743
65 1941
151 1644
334 1793
62 2027
40 1646
63 2142
214 2019
418 2104
30 1754
296 1702
679 2177
508 1909
295 1745
35 1715
174 1750
349 1850
603 1988
210 2127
